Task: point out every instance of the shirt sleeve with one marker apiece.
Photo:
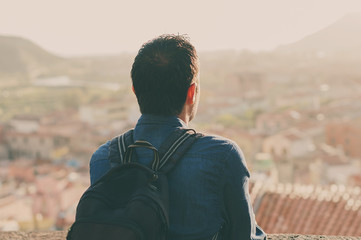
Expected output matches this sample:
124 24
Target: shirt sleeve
240 218
99 163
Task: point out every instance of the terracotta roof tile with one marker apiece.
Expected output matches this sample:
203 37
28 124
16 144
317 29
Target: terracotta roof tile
302 209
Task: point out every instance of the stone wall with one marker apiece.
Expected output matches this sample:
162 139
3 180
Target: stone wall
60 235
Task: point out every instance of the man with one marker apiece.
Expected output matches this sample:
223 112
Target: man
209 186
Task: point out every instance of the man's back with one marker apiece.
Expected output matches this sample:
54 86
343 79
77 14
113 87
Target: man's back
208 188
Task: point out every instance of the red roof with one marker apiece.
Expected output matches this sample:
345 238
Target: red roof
302 209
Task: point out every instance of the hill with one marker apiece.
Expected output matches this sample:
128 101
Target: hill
342 37
21 56
21 59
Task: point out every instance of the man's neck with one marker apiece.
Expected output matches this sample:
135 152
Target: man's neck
184 117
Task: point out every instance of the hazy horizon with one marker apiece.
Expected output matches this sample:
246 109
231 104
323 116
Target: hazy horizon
83 28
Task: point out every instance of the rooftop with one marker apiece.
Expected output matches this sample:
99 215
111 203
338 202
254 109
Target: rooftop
308 209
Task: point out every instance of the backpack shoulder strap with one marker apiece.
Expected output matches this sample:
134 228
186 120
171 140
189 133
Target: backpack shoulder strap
118 146
175 146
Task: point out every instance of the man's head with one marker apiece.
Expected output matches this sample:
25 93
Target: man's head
163 72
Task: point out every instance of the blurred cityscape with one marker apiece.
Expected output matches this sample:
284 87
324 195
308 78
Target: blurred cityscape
295 112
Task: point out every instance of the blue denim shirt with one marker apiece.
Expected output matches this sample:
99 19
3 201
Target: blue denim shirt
208 187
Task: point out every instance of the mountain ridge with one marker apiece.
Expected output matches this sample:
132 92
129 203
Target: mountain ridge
20 55
342 36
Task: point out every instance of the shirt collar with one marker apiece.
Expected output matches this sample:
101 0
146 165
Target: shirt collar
172 121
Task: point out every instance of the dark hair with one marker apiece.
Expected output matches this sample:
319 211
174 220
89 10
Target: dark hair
162 73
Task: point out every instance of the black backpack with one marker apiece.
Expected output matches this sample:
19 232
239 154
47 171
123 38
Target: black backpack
130 202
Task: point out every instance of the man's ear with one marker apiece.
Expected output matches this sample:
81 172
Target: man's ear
133 89
191 94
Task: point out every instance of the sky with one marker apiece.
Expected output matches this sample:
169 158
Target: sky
97 27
